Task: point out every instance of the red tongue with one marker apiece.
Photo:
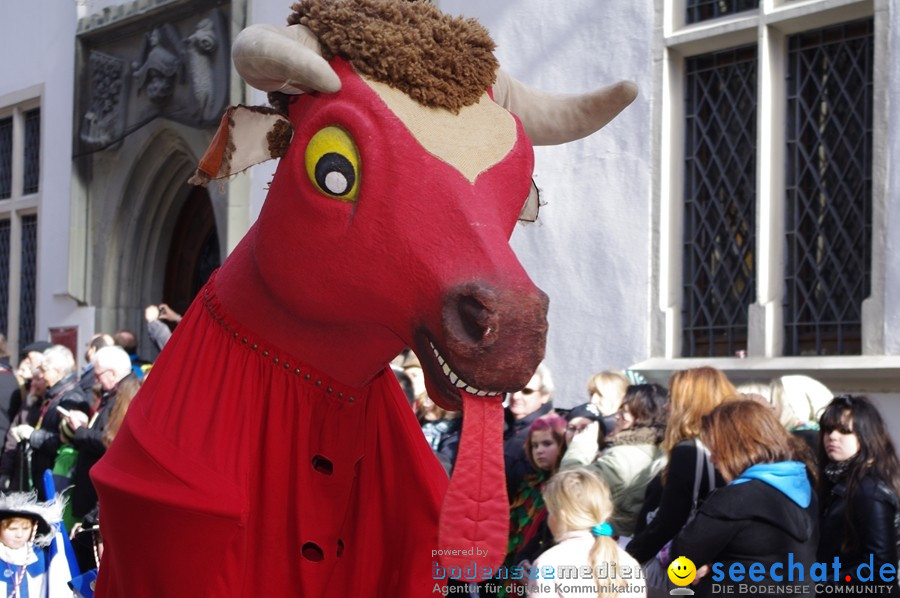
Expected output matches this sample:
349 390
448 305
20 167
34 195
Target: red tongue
474 526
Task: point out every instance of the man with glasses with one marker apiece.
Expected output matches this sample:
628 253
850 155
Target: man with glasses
88 376
112 365
522 408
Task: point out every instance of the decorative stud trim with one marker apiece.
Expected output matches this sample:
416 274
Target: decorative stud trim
233 331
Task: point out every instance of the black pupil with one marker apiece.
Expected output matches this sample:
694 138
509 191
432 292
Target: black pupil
331 163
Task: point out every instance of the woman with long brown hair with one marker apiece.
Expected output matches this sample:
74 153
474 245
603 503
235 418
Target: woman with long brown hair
692 394
125 392
767 511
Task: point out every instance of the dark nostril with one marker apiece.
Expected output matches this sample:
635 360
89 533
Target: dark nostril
474 318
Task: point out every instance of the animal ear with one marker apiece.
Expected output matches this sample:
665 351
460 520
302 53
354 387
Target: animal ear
247 135
532 205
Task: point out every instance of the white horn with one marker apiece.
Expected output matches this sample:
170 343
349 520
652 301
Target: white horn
551 119
285 59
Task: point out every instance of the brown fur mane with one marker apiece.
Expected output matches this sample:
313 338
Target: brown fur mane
438 60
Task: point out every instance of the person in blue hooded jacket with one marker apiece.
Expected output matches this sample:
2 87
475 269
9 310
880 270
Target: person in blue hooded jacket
766 513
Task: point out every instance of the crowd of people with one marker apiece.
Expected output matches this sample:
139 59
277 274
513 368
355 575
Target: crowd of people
57 421
730 477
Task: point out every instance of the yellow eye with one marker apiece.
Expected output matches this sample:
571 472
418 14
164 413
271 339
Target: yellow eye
332 163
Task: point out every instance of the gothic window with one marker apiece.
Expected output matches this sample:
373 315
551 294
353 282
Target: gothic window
767 152
719 201
829 189
20 157
703 10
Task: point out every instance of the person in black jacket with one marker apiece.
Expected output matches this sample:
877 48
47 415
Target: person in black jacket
10 389
25 408
112 367
58 370
115 376
88 378
767 512
524 407
860 485
692 394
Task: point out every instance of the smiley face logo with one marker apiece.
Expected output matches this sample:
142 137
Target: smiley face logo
682 571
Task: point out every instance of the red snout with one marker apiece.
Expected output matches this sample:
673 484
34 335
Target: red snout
493 338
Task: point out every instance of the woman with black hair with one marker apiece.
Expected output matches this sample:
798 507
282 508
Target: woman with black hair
860 485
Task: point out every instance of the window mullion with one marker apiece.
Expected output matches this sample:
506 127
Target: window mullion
766 315
15 286
671 201
18 153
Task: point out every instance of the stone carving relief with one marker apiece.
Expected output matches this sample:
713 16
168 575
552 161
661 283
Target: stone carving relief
161 67
103 120
201 46
173 68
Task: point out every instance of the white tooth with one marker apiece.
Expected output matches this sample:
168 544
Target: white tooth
455 379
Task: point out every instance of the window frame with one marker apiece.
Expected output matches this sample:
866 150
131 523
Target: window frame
19 204
768 27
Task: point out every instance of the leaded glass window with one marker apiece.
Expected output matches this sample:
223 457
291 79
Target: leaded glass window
4 276
703 10
829 191
719 201
32 151
28 277
6 154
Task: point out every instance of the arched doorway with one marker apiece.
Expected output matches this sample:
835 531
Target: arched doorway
193 252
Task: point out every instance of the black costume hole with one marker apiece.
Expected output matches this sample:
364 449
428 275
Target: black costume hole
322 465
312 552
340 547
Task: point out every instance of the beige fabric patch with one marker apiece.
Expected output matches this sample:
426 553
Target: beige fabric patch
472 141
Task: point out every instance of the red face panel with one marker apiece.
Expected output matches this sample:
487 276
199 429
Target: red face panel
397 242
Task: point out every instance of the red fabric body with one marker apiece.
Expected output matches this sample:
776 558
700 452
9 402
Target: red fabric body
213 486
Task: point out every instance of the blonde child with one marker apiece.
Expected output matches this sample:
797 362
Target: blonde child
578 507
29 566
